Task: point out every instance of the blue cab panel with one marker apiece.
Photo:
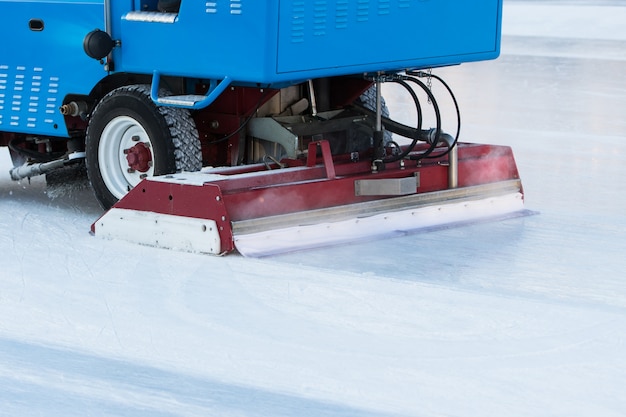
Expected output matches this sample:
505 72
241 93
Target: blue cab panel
281 41
42 61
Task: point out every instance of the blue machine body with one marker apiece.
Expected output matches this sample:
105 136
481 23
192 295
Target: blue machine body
42 61
269 43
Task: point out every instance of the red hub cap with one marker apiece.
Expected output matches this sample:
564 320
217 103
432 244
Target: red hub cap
139 157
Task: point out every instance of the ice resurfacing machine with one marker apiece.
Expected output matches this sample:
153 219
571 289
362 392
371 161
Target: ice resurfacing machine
255 125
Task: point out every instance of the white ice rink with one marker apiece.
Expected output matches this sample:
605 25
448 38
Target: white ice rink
523 317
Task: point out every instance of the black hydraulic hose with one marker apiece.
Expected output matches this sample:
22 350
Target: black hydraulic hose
435 141
423 74
434 135
397 127
414 136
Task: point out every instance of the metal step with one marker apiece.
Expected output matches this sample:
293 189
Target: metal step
158 17
189 100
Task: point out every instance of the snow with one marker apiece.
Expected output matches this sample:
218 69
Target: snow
523 317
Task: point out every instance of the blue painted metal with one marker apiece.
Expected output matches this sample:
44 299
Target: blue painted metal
39 67
251 42
282 41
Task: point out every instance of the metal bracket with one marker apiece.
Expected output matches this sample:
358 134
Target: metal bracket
327 157
189 101
386 186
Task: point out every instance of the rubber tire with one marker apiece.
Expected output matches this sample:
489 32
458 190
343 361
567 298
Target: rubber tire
172 133
368 100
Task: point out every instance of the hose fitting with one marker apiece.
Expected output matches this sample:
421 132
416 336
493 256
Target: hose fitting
74 108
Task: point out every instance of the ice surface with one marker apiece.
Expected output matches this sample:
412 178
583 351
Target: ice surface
524 317
584 20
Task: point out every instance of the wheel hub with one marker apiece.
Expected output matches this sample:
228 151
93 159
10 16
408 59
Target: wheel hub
125 155
139 157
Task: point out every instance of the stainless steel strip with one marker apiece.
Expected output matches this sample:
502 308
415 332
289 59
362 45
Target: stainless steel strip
370 208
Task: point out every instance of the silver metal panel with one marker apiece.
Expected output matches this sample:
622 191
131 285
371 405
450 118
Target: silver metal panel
386 186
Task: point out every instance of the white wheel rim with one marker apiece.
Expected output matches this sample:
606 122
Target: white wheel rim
122 132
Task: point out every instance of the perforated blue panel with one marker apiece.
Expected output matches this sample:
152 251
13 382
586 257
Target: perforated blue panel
42 61
283 41
29 98
385 34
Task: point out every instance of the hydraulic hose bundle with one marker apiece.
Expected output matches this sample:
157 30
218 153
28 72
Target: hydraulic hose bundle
433 136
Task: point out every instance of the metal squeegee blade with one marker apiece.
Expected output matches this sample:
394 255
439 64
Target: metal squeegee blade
318 228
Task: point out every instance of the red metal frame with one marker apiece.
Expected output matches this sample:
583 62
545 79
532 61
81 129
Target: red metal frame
224 117
252 192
